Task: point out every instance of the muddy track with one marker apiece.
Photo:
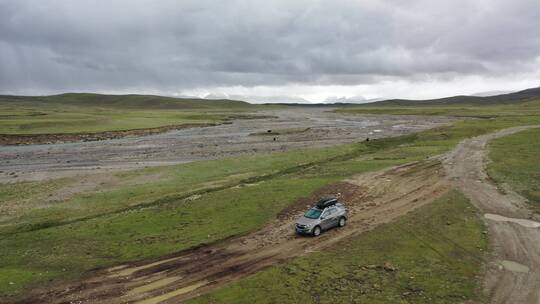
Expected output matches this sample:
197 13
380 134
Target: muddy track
513 274
373 199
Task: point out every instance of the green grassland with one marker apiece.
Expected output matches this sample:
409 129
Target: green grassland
516 162
515 158
92 113
124 101
155 211
437 252
129 222
185 206
520 110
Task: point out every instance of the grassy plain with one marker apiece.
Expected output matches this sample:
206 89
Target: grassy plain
507 111
427 261
152 212
516 162
92 113
515 158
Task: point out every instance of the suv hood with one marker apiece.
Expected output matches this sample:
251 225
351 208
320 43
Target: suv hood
306 221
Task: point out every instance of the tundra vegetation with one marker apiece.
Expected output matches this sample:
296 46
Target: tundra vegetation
93 113
515 163
415 259
46 238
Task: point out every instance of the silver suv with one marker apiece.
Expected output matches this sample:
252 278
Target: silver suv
326 214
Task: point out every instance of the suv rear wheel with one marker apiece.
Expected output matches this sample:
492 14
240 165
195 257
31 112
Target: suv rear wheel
342 221
316 231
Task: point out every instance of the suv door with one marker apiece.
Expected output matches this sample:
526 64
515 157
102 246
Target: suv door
326 219
334 216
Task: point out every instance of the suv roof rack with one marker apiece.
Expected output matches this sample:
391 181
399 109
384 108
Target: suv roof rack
326 202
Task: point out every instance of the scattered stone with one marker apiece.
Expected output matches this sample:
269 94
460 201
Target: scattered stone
371 266
389 267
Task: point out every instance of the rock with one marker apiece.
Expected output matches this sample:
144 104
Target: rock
389 267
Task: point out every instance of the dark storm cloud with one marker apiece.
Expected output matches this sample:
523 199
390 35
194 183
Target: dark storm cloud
62 45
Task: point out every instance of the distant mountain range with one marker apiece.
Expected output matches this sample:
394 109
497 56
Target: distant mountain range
163 102
509 98
124 101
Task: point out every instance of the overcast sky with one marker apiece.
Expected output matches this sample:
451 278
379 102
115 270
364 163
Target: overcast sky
310 49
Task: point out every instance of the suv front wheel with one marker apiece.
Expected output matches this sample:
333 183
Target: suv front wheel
342 221
316 231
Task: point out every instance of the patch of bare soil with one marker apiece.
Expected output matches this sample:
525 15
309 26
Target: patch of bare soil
513 274
186 274
345 191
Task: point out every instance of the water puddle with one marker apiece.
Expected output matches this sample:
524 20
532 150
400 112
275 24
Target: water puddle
172 294
514 266
522 222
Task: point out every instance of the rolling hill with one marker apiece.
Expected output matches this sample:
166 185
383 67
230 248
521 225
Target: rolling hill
510 98
122 101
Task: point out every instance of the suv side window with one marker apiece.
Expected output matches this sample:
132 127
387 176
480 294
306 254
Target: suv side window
333 211
326 213
330 212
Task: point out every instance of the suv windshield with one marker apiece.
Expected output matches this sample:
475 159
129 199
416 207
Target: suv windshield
313 214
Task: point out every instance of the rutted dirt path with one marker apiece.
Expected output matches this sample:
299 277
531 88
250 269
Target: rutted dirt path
373 199
513 275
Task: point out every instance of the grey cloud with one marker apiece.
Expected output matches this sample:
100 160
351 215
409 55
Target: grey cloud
55 45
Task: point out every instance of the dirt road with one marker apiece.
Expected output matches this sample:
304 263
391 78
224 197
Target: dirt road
513 274
373 199
323 128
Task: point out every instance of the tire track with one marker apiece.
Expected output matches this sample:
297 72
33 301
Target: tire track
188 273
513 274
